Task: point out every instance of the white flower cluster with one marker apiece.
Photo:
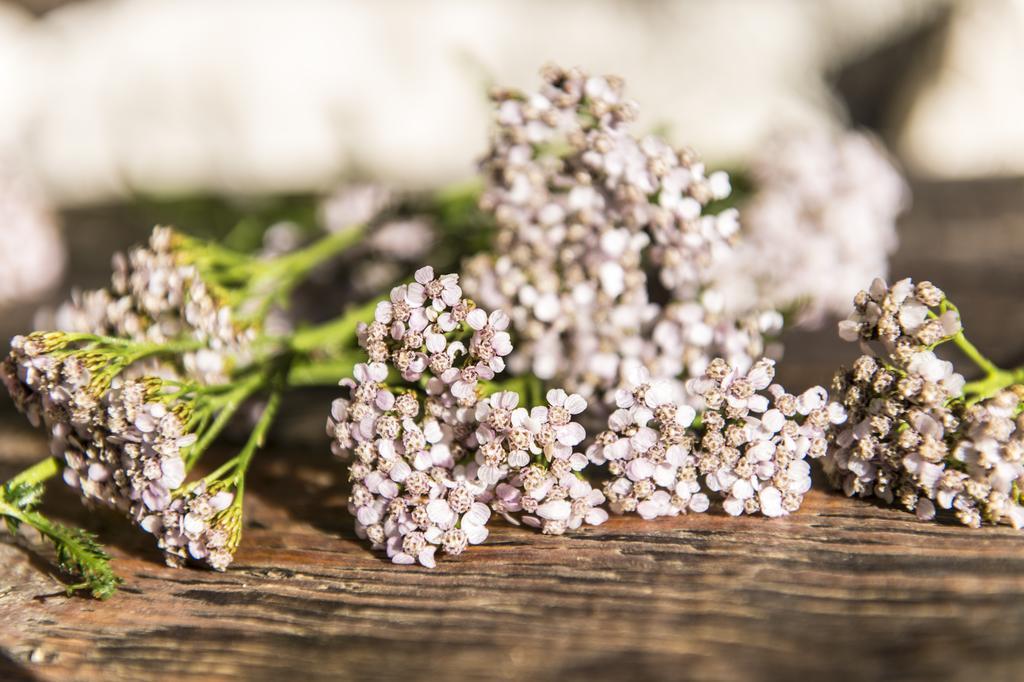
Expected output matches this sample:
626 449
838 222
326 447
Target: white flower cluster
750 451
157 295
431 458
912 437
196 525
900 317
122 442
531 463
32 254
583 210
990 450
821 222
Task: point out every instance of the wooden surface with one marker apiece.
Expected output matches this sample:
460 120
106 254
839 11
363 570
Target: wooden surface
843 589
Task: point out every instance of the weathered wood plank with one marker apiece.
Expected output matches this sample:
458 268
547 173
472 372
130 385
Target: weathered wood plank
843 586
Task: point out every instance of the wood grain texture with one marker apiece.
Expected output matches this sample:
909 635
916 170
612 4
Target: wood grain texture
843 589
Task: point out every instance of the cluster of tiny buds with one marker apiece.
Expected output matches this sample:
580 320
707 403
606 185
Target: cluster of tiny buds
122 440
748 450
201 524
157 295
583 210
902 317
430 458
912 439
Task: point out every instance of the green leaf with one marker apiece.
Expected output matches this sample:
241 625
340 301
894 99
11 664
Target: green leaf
24 496
78 552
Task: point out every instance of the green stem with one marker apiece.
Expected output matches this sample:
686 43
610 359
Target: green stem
300 262
323 373
37 473
256 440
985 388
974 355
231 404
337 333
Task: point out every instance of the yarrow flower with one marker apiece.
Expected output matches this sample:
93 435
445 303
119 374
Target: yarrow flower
903 318
199 524
748 450
158 294
127 443
584 210
430 457
917 434
147 373
821 222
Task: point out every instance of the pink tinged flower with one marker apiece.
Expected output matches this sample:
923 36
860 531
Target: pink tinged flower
156 497
912 315
518 459
742 490
644 439
99 472
426 556
403 559
474 523
424 275
490 474
761 451
685 415
193 524
733 506
151 524
509 496
370 372
477 319
384 400
435 343
649 509
441 456
664 474
463 389
440 512
400 471
501 343
640 469
757 403
773 421
221 501
849 330
555 510
620 449
771 502
699 503
388 489
382 313
624 398
571 434
418 320
812 399
926 510
620 420
367 515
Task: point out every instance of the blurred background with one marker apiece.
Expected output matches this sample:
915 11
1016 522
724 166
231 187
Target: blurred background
117 114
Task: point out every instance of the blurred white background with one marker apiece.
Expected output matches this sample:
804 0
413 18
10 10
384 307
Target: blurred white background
101 98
